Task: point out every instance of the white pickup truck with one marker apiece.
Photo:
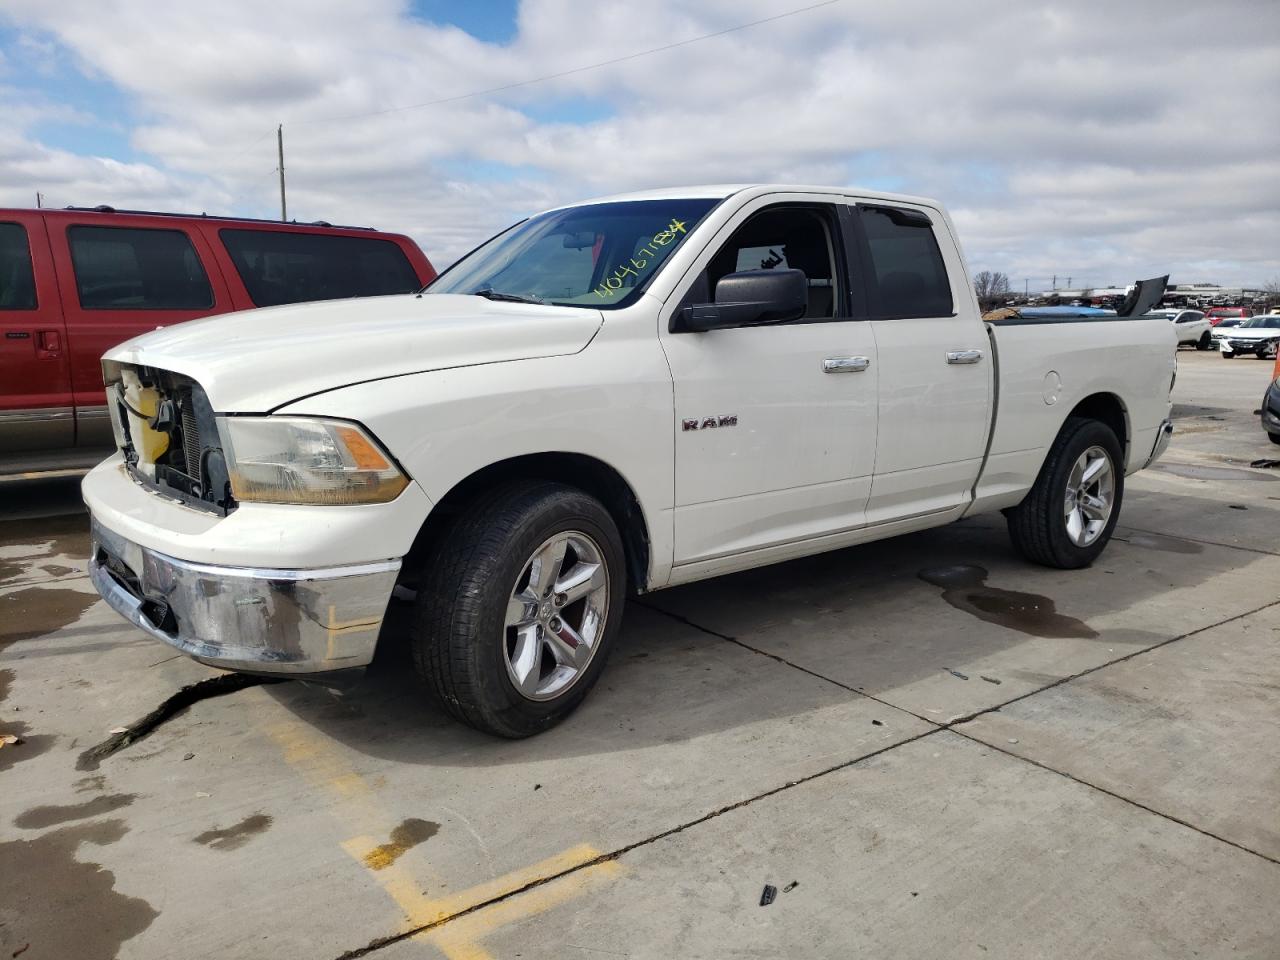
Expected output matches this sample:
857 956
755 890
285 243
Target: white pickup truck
619 395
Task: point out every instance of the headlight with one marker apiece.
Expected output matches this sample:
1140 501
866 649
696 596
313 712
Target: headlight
307 460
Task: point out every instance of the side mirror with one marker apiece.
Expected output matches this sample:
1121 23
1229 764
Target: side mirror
751 298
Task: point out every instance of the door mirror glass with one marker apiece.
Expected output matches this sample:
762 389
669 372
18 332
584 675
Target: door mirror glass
752 298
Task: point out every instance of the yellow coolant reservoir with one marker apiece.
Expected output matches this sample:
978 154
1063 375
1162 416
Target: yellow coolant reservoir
150 444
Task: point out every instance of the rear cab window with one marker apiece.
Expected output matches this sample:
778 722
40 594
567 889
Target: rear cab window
278 267
134 268
909 278
17 278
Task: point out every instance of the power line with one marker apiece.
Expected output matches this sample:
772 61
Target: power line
575 70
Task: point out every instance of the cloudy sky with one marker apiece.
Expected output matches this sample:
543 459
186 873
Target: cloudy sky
1100 141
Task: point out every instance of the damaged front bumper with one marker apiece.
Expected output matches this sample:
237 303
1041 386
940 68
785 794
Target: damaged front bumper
308 621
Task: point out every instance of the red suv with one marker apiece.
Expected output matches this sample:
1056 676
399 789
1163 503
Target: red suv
1218 314
76 282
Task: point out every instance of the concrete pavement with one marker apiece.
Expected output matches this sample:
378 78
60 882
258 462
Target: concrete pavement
950 752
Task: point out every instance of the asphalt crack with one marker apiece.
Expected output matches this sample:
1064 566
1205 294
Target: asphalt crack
936 727
387 941
178 703
954 723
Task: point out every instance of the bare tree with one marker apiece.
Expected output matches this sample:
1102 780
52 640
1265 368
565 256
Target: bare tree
991 288
1272 291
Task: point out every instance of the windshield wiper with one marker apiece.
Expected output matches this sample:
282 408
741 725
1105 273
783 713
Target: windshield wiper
491 294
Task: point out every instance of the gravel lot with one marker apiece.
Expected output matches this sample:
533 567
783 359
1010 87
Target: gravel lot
1006 762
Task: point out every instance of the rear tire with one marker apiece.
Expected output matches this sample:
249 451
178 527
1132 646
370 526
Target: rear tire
1070 513
507 633
1204 342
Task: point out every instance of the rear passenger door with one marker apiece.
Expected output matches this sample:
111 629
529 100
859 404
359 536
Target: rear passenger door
35 383
120 281
935 363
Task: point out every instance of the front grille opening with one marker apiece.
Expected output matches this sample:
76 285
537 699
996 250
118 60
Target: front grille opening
190 465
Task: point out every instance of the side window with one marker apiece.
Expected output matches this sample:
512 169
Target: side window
278 267
127 268
911 280
781 238
17 281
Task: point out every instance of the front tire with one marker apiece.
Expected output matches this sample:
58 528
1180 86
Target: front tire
519 606
1070 513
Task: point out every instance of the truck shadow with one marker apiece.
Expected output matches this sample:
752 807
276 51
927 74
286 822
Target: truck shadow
718 659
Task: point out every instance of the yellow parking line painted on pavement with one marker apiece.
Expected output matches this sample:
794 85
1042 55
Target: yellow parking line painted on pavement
316 758
474 926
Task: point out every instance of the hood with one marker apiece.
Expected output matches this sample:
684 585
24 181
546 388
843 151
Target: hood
257 360
1251 333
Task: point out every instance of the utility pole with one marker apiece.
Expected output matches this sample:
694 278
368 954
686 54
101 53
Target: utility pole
284 210
1026 287
1055 281
39 200
1068 283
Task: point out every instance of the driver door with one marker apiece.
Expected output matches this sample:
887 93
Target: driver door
775 426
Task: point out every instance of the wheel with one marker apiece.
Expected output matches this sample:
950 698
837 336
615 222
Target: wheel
1204 342
518 607
1067 518
1228 356
1274 438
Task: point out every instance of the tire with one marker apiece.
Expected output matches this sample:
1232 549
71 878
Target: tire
1203 343
1274 438
1039 525
463 646
1228 356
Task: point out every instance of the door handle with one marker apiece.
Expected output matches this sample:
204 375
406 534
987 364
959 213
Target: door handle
845 364
49 344
964 356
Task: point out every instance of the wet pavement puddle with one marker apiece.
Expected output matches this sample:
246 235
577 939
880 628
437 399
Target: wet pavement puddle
965 588
405 837
37 818
1156 541
1197 472
43 887
37 611
235 836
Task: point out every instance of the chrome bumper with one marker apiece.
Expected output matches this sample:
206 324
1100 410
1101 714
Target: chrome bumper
1163 437
242 618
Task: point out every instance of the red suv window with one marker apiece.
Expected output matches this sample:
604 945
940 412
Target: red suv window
131 268
280 267
17 282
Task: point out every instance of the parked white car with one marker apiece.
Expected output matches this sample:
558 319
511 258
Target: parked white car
1258 336
623 394
1191 327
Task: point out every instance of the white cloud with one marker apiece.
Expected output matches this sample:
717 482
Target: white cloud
1096 139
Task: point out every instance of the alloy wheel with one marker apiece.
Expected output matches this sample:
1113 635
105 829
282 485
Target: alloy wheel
1090 496
556 615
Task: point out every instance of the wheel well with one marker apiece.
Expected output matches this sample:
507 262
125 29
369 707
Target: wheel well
1106 408
572 469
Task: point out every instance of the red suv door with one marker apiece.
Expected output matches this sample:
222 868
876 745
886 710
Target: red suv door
36 404
121 277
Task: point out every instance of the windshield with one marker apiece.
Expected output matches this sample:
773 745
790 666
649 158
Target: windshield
598 255
1262 322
